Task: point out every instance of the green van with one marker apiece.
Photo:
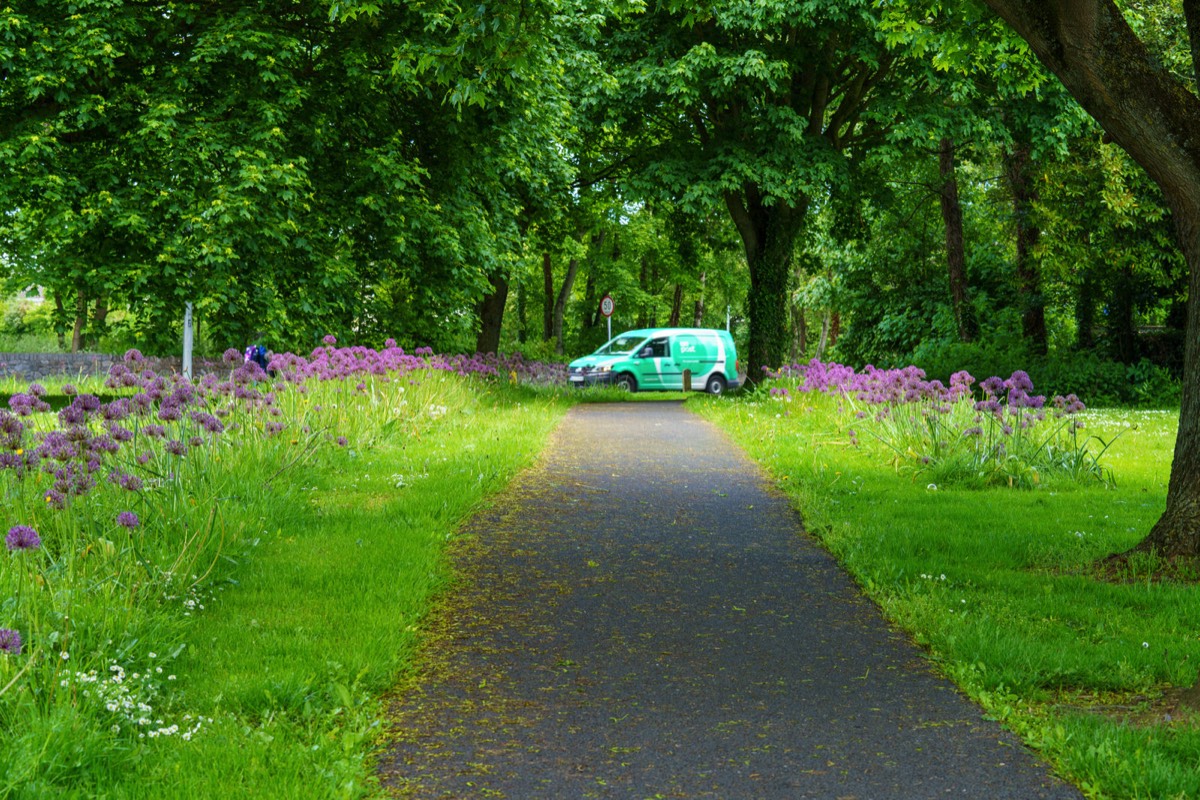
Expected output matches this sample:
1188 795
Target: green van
662 359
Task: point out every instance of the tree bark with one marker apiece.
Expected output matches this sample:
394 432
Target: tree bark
491 314
956 261
676 306
522 316
824 340
799 334
80 322
1156 119
768 235
1018 170
560 303
547 298
698 311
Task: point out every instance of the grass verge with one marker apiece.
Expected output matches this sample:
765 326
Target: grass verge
1001 585
258 670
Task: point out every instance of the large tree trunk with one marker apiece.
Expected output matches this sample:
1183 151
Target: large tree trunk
491 314
768 236
1155 117
956 261
560 303
698 311
1019 170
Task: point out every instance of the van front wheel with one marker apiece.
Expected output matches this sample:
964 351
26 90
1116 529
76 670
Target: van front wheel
626 382
716 385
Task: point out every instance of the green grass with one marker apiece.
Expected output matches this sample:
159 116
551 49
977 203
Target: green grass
273 595
1001 586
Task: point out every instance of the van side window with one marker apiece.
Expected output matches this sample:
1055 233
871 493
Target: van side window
658 348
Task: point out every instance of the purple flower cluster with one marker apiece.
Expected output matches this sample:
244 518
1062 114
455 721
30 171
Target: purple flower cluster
22 537
10 642
891 387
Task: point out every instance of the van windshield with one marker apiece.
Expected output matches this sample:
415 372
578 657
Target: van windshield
622 345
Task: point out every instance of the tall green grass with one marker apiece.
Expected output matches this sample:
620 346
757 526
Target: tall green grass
239 640
1001 585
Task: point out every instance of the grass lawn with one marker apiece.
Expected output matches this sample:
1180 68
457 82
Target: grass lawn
1001 585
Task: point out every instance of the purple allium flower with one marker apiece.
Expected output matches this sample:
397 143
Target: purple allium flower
330 339
231 356
389 343
143 458
341 440
131 483
10 642
36 390
155 431
69 389
175 447
196 441
56 498
128 519
133 356
22 537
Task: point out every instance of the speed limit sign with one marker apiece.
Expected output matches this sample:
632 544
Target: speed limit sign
606 305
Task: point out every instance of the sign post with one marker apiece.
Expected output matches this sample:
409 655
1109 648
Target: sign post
606 308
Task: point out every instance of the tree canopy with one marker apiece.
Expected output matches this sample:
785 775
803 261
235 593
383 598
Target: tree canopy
989 185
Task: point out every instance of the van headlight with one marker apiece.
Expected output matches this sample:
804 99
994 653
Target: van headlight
605 368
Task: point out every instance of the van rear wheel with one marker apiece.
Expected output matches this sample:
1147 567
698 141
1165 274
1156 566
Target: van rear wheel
716 385
626 382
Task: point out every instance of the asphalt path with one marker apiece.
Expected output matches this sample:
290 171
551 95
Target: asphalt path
642 616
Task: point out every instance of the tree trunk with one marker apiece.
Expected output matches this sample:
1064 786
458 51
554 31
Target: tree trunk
676 306
1121 329
799 334
522 315
80 322
1155 117
956 261
768 236
1019 172
547 298
824 340
1085 314
592 314
491 314
58 328
560 303
698 311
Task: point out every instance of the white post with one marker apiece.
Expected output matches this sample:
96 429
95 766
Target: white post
609 319
187 342
726 317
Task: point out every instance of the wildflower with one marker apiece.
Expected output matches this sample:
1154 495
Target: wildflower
10 642
175 447
341 441
133 356
22 537
330 339
231 356
128 519
69 389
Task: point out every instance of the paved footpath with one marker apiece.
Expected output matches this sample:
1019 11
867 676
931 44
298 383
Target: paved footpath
641 616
